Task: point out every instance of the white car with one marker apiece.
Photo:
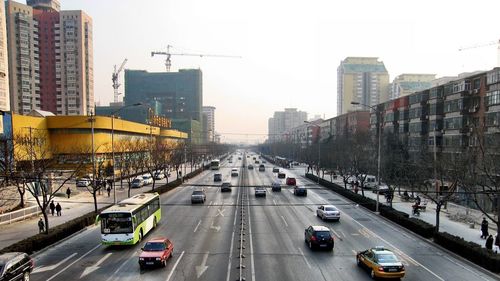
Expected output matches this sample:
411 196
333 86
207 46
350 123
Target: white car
328 212
137 182
159 175
234 172
147 179
83 182
260 191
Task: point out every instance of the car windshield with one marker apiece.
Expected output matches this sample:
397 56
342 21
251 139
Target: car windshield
323 234
386 258
197 192
154 246
136 180
330 209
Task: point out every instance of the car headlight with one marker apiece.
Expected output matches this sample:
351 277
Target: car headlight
158 259
141 259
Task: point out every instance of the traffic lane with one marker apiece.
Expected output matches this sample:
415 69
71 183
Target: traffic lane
87 248
423 260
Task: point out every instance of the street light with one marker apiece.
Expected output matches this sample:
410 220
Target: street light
319 146
113 144
379 115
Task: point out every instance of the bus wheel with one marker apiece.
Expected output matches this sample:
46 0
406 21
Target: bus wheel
154 223
140 235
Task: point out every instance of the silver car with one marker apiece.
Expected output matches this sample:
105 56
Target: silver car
328 212
198 196
260 191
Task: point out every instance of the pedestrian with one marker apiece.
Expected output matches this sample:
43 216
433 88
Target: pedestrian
52 207
417 200
108 189
497 244
356 186
489 242
484 228
68 192
41 226
58 209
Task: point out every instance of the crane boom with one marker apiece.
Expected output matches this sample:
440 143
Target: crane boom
168 62
114 78
491 43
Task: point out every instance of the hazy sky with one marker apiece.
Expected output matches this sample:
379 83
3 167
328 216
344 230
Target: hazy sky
290 49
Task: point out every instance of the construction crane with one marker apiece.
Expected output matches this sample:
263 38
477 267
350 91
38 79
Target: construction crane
168 62
114 78
491 43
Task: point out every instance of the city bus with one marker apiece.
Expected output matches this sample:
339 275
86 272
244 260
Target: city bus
215 164
127 222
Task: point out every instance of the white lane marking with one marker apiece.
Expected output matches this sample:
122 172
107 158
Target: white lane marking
252 263
343 234
120 267
283 218
219 212
230 257
175 266
90 269
54 266
200 269
274 201
464 267
302 254
75 261
210 204
196 228
336 234
394 247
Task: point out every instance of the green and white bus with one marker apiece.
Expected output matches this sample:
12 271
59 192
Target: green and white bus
215 164
127 222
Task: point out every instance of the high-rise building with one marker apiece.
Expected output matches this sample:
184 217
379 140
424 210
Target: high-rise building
209 123
282 121
361 79
406 84
51 58
179 93
4 63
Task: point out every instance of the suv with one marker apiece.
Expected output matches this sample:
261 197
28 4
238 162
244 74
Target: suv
156 252
15 266
276 186
198 196
262 168
276 170
217 177
281 175
226 186
317 236
234 172
291 181
300 191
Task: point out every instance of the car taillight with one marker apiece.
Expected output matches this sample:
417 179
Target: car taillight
313 238
331 239
380 268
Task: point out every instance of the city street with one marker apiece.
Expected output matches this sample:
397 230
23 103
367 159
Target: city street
236 236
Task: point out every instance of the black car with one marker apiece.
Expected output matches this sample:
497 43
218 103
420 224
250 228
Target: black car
15 266
217 177
299 191
319 237
226 186
281 175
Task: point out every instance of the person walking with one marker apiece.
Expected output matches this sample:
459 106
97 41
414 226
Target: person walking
108 189
489 242
58 209
484 228
41 226
497 244
52 207
68 192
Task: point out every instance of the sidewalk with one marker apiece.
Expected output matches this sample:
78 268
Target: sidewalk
446 223
81 202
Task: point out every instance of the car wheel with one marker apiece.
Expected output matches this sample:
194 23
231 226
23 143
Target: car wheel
358 261
164 263
317 214
310 245
154 223
372 275
26 276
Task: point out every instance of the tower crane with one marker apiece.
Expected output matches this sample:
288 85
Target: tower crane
168 62
491 43
114 78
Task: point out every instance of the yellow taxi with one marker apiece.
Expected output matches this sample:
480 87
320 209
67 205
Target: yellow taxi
381 263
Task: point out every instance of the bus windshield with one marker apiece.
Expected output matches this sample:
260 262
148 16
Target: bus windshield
114 223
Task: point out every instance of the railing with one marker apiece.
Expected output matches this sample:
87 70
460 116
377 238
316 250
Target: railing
22 214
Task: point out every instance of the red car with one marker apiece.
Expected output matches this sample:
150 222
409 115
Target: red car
156 252
291 181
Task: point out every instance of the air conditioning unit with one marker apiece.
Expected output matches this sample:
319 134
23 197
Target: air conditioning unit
475 91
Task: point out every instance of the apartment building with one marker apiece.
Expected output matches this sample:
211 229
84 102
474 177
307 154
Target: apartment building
209 123
4 63
283 121
406 84
51 58
361 79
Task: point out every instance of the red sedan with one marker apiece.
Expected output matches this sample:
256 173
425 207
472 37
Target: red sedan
156 252
291 181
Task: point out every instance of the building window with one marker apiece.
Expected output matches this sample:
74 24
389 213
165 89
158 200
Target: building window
493 98
453 123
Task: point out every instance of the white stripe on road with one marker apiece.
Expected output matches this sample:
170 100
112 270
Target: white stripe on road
252 263
175 266
196 228
77 260
274 201
302 253
283 218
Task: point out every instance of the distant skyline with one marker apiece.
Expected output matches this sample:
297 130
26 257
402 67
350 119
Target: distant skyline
290 50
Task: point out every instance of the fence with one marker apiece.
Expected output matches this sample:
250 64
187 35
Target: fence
11 217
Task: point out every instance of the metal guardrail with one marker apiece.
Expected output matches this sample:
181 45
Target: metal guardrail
18 215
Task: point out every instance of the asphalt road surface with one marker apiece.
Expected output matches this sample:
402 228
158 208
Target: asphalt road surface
236 236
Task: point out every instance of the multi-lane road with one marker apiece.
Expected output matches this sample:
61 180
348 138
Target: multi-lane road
236 236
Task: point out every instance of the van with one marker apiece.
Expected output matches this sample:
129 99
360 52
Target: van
370 181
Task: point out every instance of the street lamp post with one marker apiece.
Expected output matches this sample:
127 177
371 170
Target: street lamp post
113 145
319 146
379 125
